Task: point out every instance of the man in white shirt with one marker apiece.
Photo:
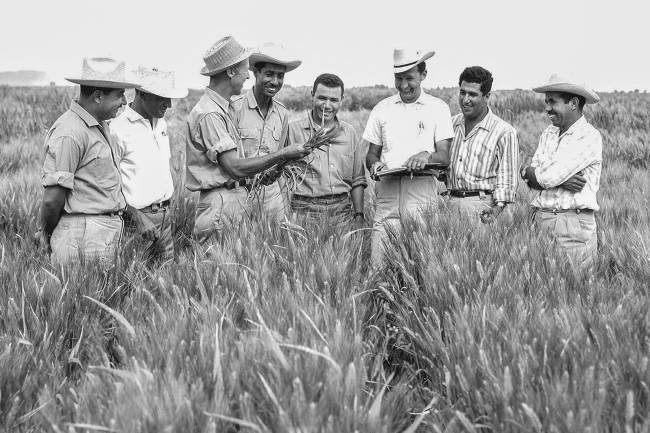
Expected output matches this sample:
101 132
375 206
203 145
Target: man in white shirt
410 129
140 135
565 170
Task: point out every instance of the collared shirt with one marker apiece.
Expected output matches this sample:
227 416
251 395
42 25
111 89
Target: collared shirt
210 131
260 135
337 168
144 158
485 158
406 129
80 157
559 157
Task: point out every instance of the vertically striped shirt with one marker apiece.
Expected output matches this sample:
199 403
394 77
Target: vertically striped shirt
559 157
485 158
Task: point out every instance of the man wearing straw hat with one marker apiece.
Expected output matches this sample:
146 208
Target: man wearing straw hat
409 130
140 135
216 165
83 200
565 170
262 121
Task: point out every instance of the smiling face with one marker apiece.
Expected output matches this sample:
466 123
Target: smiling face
109 103
269 79
408 84
326 102
561 113
473 103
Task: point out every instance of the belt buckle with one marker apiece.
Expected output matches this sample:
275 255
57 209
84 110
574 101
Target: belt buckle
555 211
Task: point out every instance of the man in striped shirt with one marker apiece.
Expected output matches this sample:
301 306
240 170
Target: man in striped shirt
482 176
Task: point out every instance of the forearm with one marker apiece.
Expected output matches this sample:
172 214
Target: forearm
439 157
246 167
371 158
532 179
357 198
50 216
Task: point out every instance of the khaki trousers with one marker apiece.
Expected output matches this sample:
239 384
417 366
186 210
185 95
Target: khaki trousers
398 198
86 237
218 208
337 209
574 233
472 206
271 201
163 247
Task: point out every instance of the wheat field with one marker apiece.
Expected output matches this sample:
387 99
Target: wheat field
282 328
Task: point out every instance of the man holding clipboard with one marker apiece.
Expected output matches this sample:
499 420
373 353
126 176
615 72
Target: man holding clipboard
407 134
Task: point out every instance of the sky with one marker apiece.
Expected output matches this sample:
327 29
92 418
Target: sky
601 43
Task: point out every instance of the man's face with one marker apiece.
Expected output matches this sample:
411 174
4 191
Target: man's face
269 79
326 102
559 112
110 103
237 81
471 100
155 106
408 83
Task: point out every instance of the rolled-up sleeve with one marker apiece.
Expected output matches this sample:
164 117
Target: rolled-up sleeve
62 158
358 168
215 136
507 154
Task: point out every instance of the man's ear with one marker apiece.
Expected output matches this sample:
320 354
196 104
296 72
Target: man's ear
487 95
424 74
97 96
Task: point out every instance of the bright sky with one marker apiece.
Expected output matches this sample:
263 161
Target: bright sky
521 42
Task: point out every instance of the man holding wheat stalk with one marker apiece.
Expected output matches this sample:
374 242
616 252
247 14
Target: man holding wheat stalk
217 167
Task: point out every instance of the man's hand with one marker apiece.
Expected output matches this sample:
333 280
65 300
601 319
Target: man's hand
418 161
488 216
359 221
322 137
44 241
145 226
295 151
376 168
575 183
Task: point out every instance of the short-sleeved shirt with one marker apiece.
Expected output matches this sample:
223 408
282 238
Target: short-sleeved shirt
80 158
210 131
144 155
335 170
559 157
259 135
402 129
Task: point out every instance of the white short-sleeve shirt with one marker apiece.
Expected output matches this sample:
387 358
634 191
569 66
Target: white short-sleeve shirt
406 129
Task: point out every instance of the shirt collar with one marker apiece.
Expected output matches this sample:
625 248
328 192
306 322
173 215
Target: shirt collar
420 99
485 123
577 125
308 121
132 115
85 116
217 99
252 102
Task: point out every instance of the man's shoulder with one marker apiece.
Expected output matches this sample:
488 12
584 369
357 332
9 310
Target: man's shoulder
70 125
300 121
433 101
502 125
346 126
383 106
237 102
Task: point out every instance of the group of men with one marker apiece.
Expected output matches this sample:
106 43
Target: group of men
95 178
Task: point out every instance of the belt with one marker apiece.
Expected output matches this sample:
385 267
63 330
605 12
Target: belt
111 214
411 174
322 198
557 211
155 207
232 184
466 193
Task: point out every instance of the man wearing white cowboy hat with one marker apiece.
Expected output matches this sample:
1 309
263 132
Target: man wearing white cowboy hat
261 120
410 130
83 200
216 164
140 135
565 170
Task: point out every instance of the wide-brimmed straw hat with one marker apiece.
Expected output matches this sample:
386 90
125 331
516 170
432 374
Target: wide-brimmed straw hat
558 83
406 58
103 72
273 53
222 55
160 83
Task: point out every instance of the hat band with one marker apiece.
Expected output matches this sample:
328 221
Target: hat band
405 64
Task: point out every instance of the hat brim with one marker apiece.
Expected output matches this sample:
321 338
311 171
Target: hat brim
166 93
590 96
259 57
104 83
403 68
209 72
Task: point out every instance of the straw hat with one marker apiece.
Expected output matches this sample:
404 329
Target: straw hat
103 72
406 58
160 83
223 54
273 53
561 84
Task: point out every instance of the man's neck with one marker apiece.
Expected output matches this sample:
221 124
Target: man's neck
89 106
222 88
136 106
263 101
566 127
470 123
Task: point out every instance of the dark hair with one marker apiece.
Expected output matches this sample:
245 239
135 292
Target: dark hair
328 80
259 65
422 67
86 91
566 97
477 74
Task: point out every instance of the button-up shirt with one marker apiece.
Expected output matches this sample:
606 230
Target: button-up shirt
80 157
144 158
260 135
485 158
337 168
402 129
210 131
559 157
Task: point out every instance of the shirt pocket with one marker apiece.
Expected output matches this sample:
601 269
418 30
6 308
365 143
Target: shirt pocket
250 138
342 157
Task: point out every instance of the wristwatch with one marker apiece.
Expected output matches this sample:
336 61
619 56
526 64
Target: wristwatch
501 204
522 174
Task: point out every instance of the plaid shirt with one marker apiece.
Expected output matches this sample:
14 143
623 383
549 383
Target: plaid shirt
486 158
559 157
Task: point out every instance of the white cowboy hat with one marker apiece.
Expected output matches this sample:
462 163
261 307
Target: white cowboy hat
560 84
406 58
273 53
160 83
103 72
222 55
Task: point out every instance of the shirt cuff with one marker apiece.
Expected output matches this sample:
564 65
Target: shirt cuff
361 181
64 179
504 195
213 153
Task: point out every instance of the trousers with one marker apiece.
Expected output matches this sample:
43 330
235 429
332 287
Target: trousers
574 233
163 247
271 201
79 237
217 208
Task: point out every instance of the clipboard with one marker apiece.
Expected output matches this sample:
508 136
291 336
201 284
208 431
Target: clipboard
400 170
